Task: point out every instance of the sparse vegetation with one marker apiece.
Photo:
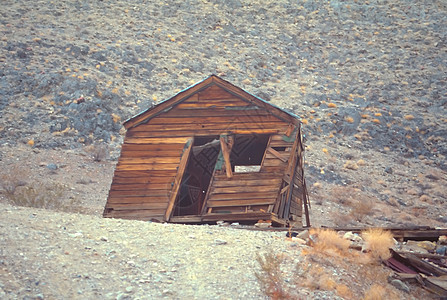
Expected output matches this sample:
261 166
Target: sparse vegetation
43 195
11 180
99 152
329 241
378 242
270 278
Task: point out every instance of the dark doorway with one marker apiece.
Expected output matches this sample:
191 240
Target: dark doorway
197 176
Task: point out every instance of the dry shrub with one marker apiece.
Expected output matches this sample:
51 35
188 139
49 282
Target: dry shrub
362 208
11 180
379 292
376 292
343 194
328 241
270 278
378 242
99 152
43 195
341 219
344 291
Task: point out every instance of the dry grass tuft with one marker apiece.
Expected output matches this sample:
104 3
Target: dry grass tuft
328 241
10 181
378 242
379 292
270 278
362 208
44 195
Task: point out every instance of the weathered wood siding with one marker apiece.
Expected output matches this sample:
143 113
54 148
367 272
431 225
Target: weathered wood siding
153 147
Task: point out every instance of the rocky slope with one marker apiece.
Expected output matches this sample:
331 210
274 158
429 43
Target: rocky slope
367 78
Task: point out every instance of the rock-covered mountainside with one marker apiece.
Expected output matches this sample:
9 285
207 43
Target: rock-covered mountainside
367 78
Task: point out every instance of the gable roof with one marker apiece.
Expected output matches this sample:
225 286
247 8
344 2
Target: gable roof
207 82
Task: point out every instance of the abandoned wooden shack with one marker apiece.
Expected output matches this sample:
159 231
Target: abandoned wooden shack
212 152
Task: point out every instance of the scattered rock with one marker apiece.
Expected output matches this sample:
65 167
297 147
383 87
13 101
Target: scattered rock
352 165
400 285
220 242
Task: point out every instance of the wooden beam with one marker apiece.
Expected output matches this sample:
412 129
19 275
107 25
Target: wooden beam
226 151
290 129
178 179
276 154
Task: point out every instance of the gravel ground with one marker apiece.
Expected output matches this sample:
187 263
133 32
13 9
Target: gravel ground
57 255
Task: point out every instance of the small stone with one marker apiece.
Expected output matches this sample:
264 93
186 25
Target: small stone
52 167
443 239
425 198
389 170
304 235
220 242
412 191
299 241
441 250
400 285
352 237
129 289
352 165
104 239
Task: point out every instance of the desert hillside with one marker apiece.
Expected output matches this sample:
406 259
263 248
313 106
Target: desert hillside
367 78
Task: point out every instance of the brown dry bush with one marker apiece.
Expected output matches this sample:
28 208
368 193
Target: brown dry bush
44 195
362 208
11 180
329 241
99 152
270 278
378 292
378 242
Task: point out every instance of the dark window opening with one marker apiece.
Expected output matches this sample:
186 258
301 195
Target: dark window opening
247 153
197 176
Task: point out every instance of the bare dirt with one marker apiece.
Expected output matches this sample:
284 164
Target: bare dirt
368 79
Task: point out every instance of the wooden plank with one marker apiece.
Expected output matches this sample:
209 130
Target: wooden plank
240 189
149 160
141 167
202 132
214 92
126 147
218 112
200 125
272 153
145 180
226 150
178 178
177 140
249 176
157 153
135 213
157 196
254 216
152 174
212 103
144 193
244 202
248 195
228 118
133 206
253 182
140 186
274 162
